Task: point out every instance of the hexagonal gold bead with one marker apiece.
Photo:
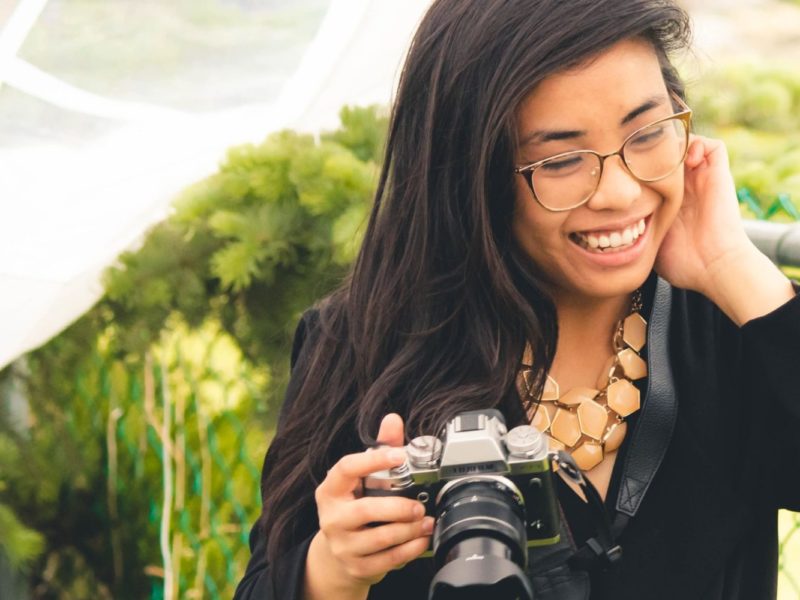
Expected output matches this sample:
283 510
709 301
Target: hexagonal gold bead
577 395
634 331
541 419
527 355
565 427
592 418
525 381
633 364
614 436
623 397
550 391
554 444
588 455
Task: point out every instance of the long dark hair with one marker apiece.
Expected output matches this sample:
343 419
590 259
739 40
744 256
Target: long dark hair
434 317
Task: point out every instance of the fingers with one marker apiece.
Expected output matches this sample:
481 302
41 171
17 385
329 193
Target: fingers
346 475
372 540
368 553
376 565
703 148
375 509
391 430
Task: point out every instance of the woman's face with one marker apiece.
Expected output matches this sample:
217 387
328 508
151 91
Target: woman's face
598 103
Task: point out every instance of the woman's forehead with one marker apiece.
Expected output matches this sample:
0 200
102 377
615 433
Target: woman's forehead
626 79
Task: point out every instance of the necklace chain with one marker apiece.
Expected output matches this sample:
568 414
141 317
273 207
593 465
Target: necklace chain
590 422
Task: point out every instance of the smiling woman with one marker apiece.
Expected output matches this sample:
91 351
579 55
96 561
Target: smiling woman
580 233
548 239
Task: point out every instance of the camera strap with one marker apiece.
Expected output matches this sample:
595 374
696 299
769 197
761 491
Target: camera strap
647 445
653 431
650 438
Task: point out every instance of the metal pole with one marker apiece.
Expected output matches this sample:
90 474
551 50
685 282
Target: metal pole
779 241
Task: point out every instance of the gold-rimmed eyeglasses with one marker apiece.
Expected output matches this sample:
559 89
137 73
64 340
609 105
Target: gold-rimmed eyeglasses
653 152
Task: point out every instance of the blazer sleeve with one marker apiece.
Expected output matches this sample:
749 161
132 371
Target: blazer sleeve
771 352
282 580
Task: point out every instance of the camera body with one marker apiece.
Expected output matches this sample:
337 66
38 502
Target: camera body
479 480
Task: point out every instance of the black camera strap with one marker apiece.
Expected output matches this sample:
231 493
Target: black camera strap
602 546
649 440
653 431
647 446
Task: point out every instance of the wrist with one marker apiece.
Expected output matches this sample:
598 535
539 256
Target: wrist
325 577
745 285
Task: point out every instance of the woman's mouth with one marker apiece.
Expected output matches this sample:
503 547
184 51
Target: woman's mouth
605 242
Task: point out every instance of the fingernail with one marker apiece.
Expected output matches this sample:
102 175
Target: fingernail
427 525
397 455
419 511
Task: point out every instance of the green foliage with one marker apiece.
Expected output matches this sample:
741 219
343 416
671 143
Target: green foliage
270 232
20 544
198 319
756 111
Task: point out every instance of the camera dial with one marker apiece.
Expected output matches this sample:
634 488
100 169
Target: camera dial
424 451
524 441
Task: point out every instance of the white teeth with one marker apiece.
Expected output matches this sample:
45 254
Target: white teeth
615 239
627 236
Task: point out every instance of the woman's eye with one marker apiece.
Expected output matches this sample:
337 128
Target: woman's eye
648 136
562 165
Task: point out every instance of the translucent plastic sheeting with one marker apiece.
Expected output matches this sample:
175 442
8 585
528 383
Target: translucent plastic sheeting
108 109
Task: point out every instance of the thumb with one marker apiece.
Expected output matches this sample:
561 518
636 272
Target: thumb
391 430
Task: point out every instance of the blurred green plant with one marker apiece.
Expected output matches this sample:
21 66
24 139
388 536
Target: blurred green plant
18 543
204 311
756 111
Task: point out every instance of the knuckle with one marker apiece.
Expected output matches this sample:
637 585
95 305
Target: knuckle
398 555
384 537
337 470
324 523
357 570
336 547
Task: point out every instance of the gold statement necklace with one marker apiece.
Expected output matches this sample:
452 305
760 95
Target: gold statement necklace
587 422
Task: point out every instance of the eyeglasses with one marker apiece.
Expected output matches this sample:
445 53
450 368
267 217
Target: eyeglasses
653 152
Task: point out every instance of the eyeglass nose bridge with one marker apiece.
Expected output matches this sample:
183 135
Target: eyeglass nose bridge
598 171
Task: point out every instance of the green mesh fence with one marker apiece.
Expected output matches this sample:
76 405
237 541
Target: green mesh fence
181 436
181 441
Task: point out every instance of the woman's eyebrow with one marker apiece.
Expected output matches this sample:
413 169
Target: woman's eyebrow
540 136
649 104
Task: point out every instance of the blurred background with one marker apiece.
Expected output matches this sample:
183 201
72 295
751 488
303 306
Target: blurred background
178 181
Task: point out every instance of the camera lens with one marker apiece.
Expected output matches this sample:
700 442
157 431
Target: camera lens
479 542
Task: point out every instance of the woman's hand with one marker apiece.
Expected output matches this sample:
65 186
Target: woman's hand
707 249
347 556
707 233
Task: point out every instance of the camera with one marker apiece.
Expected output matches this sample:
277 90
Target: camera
492 496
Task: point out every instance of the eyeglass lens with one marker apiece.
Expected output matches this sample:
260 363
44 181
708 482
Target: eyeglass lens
652 153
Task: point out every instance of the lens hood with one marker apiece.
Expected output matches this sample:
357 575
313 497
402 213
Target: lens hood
492 577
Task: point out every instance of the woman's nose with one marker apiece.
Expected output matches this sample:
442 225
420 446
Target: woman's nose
617 189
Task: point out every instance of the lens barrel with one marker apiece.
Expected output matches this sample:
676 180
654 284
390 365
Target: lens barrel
480 542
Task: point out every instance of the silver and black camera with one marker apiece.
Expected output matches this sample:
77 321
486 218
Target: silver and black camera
492 495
